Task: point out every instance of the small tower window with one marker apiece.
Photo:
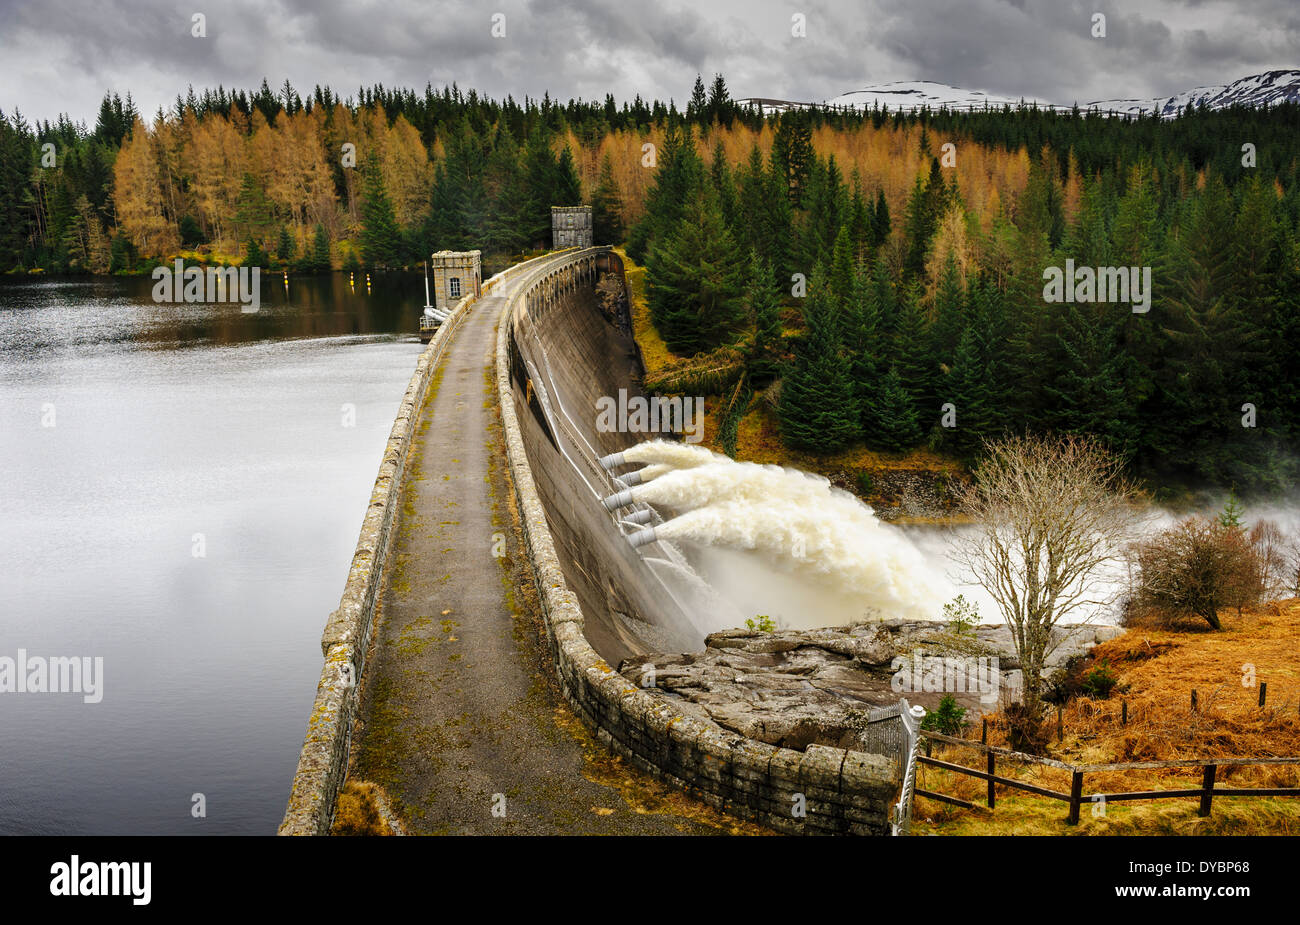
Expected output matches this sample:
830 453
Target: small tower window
453 286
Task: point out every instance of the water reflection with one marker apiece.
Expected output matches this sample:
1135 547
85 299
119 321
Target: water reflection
131 435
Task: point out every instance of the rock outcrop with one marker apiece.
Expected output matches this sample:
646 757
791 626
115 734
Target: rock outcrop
793 688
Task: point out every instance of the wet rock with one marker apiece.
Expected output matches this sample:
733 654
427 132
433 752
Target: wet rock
794 688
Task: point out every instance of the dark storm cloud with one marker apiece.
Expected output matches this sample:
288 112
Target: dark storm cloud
61 55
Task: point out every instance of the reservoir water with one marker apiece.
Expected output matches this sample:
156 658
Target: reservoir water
181 488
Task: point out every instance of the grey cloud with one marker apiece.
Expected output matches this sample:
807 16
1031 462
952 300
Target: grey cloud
61 56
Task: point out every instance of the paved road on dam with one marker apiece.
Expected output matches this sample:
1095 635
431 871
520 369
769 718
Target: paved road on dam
461 720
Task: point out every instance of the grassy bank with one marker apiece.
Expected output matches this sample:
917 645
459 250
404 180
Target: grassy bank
1158 667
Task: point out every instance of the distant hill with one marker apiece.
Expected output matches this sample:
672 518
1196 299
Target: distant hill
1267 89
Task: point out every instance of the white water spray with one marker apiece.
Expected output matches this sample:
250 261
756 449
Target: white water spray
674 455
823 554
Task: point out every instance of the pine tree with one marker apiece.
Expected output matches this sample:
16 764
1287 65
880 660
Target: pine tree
841 278
817 407
285 247
766 312
320 250
880 224
723 185
607 206
254 256
508 211
967 389
697 110
679 174
253 212
1086 393
894 418
694 283
916 364
380 237
792 154
949 311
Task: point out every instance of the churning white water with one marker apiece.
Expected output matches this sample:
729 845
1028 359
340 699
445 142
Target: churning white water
802 550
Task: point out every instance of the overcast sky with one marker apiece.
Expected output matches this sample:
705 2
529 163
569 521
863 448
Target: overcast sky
61 55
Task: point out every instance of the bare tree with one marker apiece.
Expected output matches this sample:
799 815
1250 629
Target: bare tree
1051 513
1271 549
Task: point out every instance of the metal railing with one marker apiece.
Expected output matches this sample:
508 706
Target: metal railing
909 718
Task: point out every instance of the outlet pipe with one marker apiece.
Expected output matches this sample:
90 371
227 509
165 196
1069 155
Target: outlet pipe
613 460
639 518
642 537
618 500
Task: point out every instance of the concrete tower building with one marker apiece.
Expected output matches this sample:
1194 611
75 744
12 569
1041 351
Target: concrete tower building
570 226
456 274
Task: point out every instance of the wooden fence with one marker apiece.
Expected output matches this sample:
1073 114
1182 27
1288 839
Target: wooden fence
1206 792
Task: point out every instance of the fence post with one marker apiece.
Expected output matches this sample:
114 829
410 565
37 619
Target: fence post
1193 700
1207 790
1123 713
984 731
991 765
1060 727
1263 690
1076 794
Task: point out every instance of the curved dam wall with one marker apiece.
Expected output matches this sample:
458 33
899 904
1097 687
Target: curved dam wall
558 352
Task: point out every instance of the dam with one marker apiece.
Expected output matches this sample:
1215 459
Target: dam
488 569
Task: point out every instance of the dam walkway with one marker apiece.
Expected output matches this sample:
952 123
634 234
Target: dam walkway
460 718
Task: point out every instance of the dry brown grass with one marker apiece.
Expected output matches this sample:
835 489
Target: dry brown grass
358 810
1159 666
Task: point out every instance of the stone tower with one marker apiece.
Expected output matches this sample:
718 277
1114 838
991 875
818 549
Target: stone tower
570 226
456 274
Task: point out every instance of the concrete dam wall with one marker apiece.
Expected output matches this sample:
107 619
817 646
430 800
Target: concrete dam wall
559 350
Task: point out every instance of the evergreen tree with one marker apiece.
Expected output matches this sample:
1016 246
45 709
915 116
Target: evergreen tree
607 207
792 154
191 233
723 185
1086 394
253 211
679 174
817 407
254 256
766 312
320 250
697 110
894 419
880 225
508 211
380 237
967 389
695 284
916 364
285 247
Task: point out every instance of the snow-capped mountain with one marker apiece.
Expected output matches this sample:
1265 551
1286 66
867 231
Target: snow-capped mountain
914 94
1267 89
